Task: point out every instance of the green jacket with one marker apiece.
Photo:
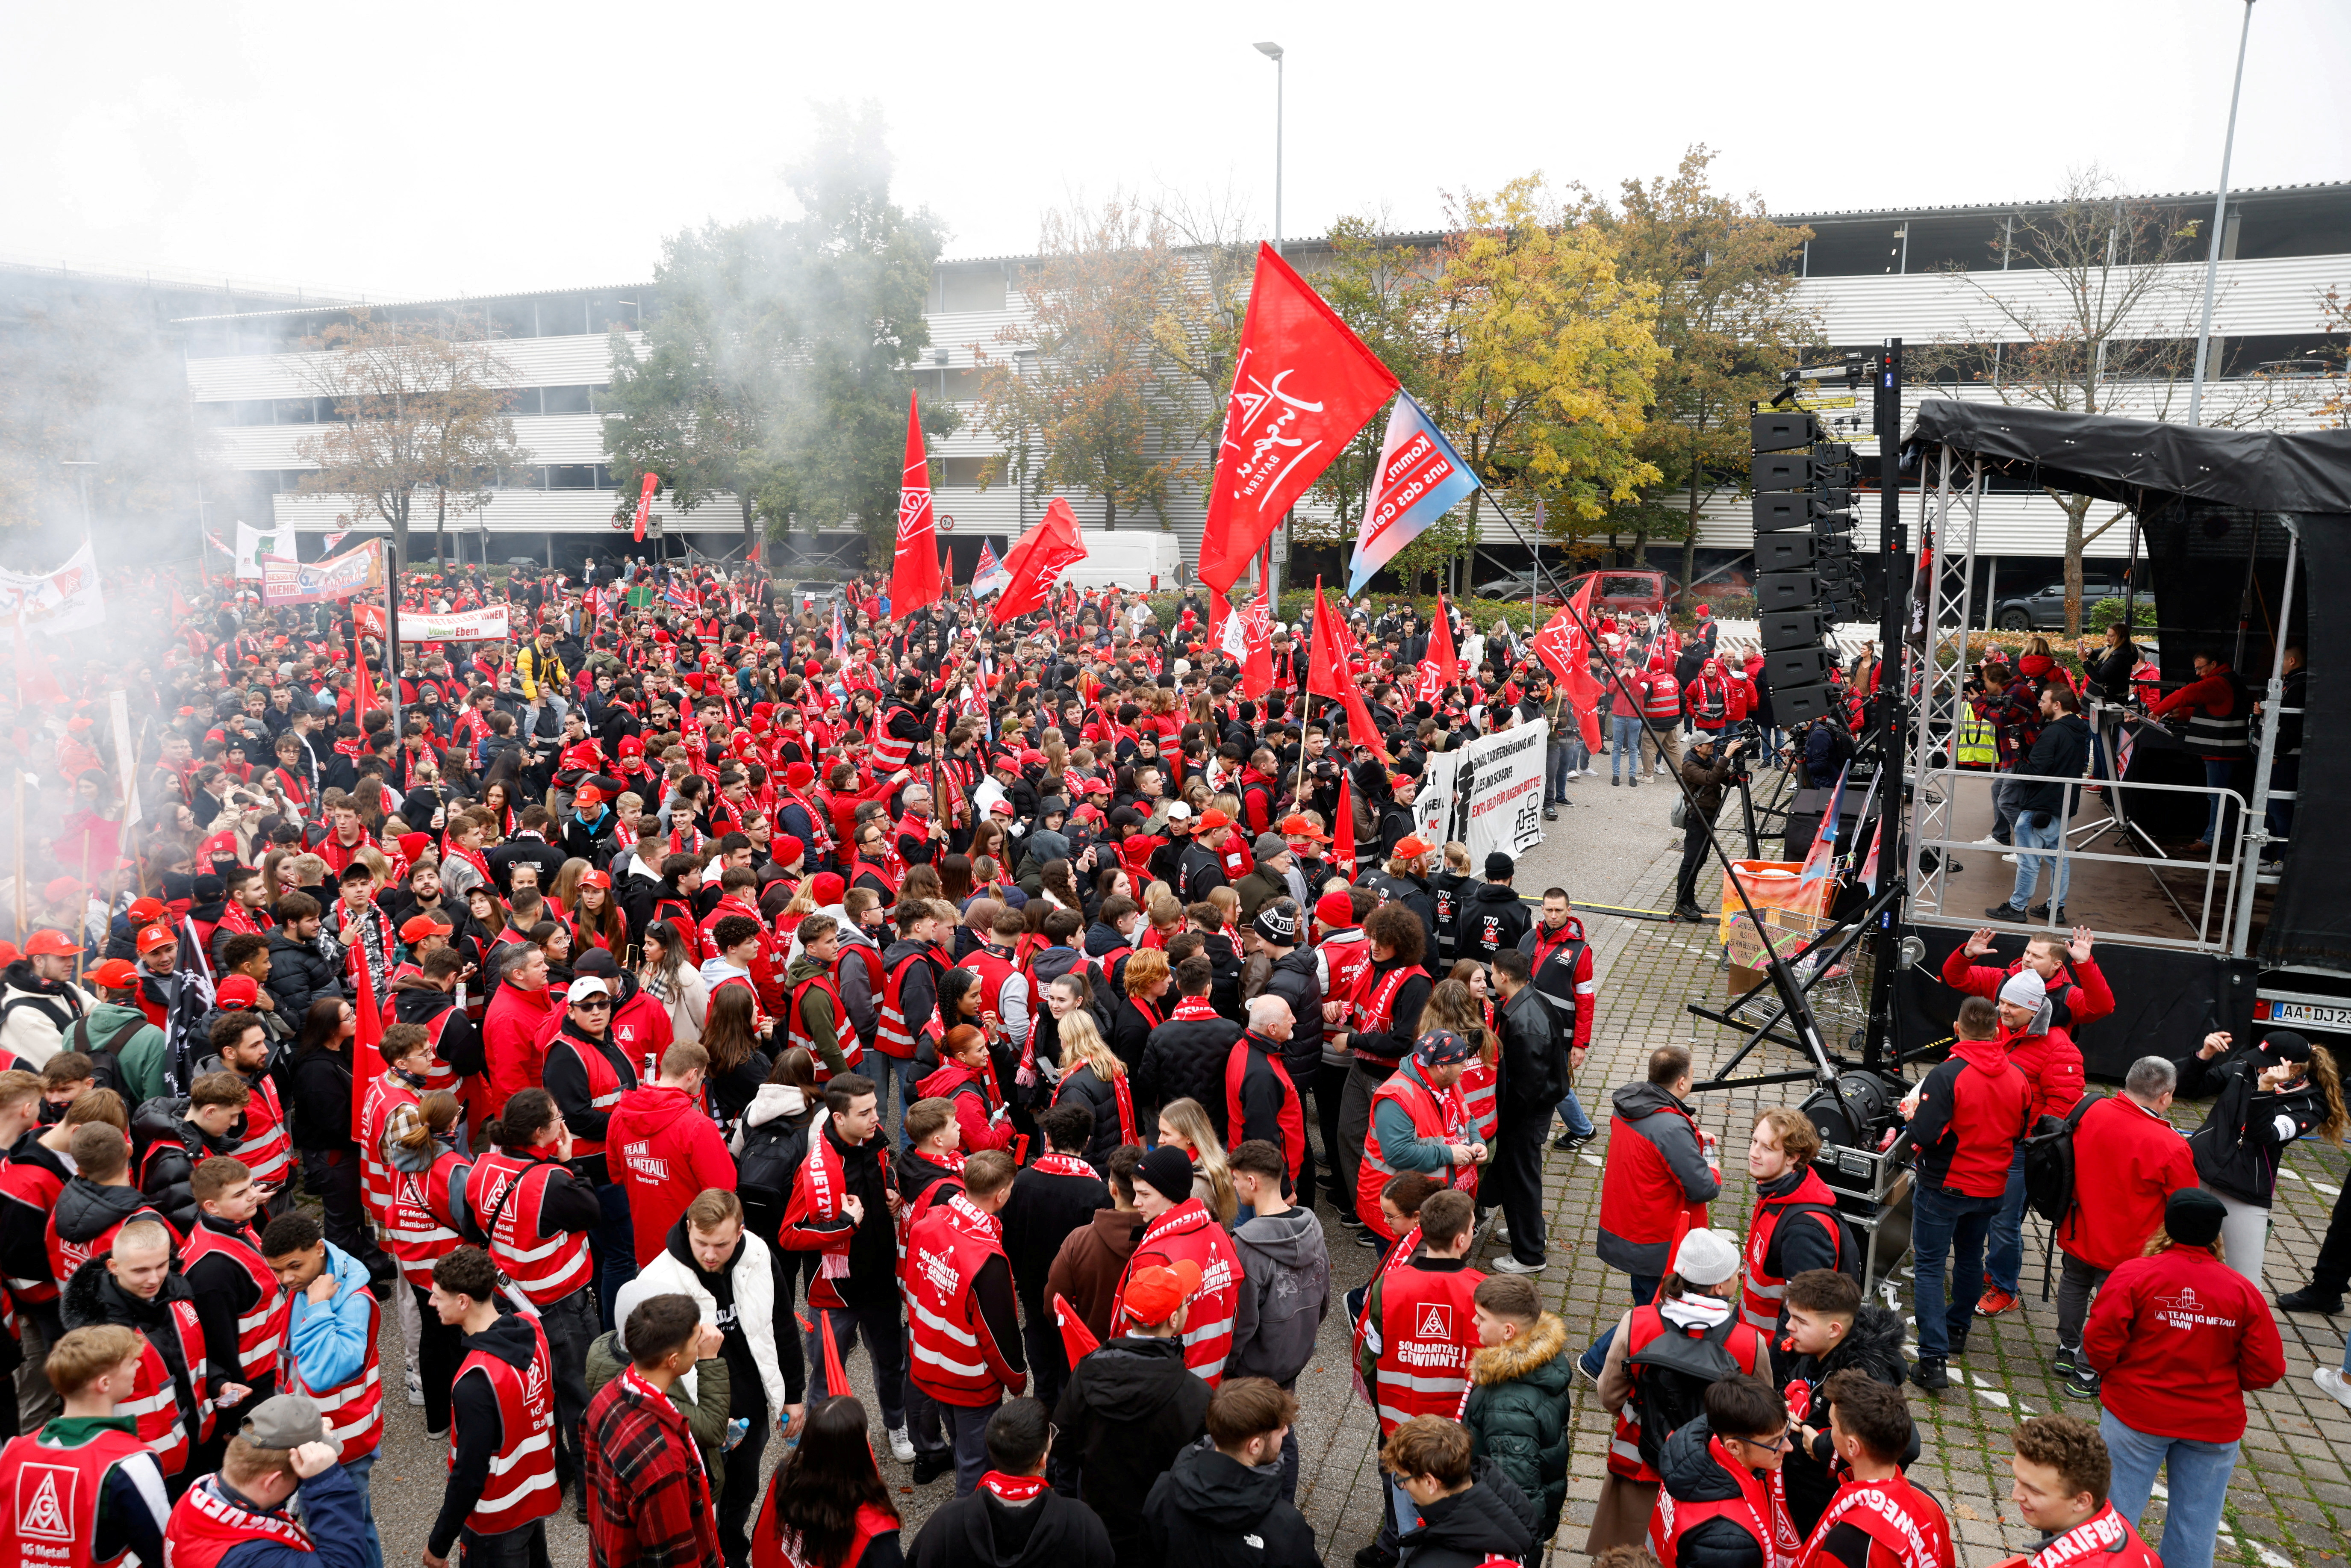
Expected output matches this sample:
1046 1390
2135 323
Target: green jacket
816 1015
1518 1413
141 1055
706 1415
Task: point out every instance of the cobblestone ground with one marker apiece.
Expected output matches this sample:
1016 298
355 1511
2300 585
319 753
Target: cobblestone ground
2290 1502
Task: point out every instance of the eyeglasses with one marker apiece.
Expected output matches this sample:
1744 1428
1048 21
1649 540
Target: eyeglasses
1774 1444
593 1002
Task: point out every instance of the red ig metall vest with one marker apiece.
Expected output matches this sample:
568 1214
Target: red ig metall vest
944 1250
48 1499
384 1095
605 1087
1761 1294
1661 696
1901 1519
266 1148
154 1403
1293 1120
351 1409
1761 1509
418 1222
1375 1004
1187 1230
37 1186
893 1036
1445 1118
1427 1338
1745 1347
996 972
546 1265
796 1031
521 1486
256 1329
875 980
205 1526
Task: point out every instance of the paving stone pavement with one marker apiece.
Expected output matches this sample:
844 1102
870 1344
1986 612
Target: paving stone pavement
2289 1501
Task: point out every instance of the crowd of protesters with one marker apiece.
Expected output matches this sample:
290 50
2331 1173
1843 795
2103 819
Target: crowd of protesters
640 1015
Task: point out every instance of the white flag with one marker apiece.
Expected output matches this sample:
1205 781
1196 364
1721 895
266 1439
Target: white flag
66 600
252 544
1234 637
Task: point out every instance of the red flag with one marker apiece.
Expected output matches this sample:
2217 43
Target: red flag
645 502
1078 1340
1052 544
1342 830
1303 384
1564 645
1330 672
915 578
836 1376
1256 636
369 1038
361 691
35 687
1442 667
180 611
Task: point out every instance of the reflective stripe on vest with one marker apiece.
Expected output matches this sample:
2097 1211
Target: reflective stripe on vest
414 1231
892 1035
521 1486
154 1402
944 1250
1427 1338
382 1098
1445 1120
54 1525
844 1038
267 1150
257 1331
604 1086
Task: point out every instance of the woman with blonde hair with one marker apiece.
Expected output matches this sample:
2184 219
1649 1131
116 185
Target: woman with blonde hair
1091 1072
567 884
1185 1124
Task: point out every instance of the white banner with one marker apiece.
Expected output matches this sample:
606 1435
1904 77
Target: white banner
252 544
488 624
1488 796
126 757
66 600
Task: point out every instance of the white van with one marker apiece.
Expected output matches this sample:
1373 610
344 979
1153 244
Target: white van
1140 558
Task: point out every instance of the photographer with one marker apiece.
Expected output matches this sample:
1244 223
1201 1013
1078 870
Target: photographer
1706 774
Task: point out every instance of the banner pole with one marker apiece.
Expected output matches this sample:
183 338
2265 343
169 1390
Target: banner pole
81 932
391 636
23 914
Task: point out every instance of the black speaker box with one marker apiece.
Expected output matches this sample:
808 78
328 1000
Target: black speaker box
1778 590
1797 666
1776 511
1793 629
1784 552
1782 471
1783 429
1794 704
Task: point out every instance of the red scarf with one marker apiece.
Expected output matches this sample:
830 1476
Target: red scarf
1013 1488
1192 1009
1056 1163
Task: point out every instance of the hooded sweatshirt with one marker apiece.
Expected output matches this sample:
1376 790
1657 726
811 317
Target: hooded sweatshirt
1972 1109
476 1430
1210 1510
1492 1519
86 1211
664 1151
1285 1295
981 1531
1129 1410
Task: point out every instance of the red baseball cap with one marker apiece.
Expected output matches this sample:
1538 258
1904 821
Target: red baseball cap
597 879
50 944
156 936
112 975
417 927
144 909
237 990
1212 819
1155 1294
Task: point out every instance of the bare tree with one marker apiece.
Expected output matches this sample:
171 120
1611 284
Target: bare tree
419 407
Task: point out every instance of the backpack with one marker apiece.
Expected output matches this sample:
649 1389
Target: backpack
106 1056
2049 1164
1677 1367
770 1161
1848 1242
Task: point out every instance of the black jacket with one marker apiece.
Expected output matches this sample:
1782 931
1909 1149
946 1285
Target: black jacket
1130 1408
1261 1095
531 849
1874 1347
1692 1474
1492 917
1492 1519
87 1210
1199 871
978 1531
174 1147
1295 979
2063 751
1450 890
474 1404
1415 895
1534 1058
1199 1514
2242 1139
1080 1085
318 1100
91 1298
1185 1059
1403 1026
1038 1217
299 976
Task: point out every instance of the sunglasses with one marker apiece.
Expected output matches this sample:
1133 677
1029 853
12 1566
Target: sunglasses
593 1002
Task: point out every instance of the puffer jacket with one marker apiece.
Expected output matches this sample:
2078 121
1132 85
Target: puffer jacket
173 1147
1692 1474
2246 1132
1519 1415
1083 1086
1128 1410
299 974
1493 1519
1185 1059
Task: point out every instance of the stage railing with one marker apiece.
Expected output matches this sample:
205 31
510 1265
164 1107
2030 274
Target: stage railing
2211 921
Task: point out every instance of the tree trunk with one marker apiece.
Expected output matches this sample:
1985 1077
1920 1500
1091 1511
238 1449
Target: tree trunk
2077 507
751 530
1689 543
440 527
1110 513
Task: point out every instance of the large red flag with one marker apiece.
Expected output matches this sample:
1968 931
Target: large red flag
1257 641
1442 667
1052 544
1303 384
1342 830
1564 645
1330 672
915 579
645 502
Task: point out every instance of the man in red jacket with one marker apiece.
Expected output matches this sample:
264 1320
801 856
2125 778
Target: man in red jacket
663 1149
2178 1337
2052 1065
2128 1159
1966 1117
511 1031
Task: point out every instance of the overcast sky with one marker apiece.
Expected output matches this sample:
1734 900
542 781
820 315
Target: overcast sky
434 147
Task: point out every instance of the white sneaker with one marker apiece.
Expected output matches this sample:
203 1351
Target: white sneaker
1502 1231
2009 860
1989 843
415 1388
2334 1383
1509 1265
902 1446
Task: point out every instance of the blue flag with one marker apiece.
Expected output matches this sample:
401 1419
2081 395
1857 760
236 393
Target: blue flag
1420 479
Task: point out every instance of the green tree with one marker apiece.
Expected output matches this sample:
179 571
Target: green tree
1729 320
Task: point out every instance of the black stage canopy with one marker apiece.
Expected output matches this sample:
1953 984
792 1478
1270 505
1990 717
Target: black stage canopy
2179 480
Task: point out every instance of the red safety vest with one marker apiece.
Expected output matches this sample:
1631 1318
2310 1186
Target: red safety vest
37 1186
384 1095
206 1525
1189 1231
1761 1295
266 1148
1745 1347
604 1086
893 1036
890 753
1427 1338
51 1517
1445 1118
2105 1535
1661 696
869 955
1348 957
546 1265
1374 1009
256 1329
66 1257
154 1402
351 1409
1761 1509
773 1549
419 1221
796 1030
1477 1088
521 1485
1293 1120
944 1250
1900 1518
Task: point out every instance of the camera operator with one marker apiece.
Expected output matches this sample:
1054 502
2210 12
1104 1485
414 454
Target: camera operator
1707 775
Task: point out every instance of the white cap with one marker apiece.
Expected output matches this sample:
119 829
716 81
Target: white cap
1707 1257
1179 813
587 986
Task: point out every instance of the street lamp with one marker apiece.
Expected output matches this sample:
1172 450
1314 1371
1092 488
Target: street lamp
2219 216
1273 53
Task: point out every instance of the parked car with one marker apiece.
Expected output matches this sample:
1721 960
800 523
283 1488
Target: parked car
1627 591
1519 586
2045 610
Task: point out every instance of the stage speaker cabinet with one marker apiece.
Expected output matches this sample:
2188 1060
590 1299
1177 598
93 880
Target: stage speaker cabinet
1784 552
1782 471
1782 511
1794 704
1778 590
1797 667
1783 429
1793 629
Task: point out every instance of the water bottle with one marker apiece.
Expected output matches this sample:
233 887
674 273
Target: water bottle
736 1430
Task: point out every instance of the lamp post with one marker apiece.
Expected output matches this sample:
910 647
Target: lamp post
1273 567
2219 218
